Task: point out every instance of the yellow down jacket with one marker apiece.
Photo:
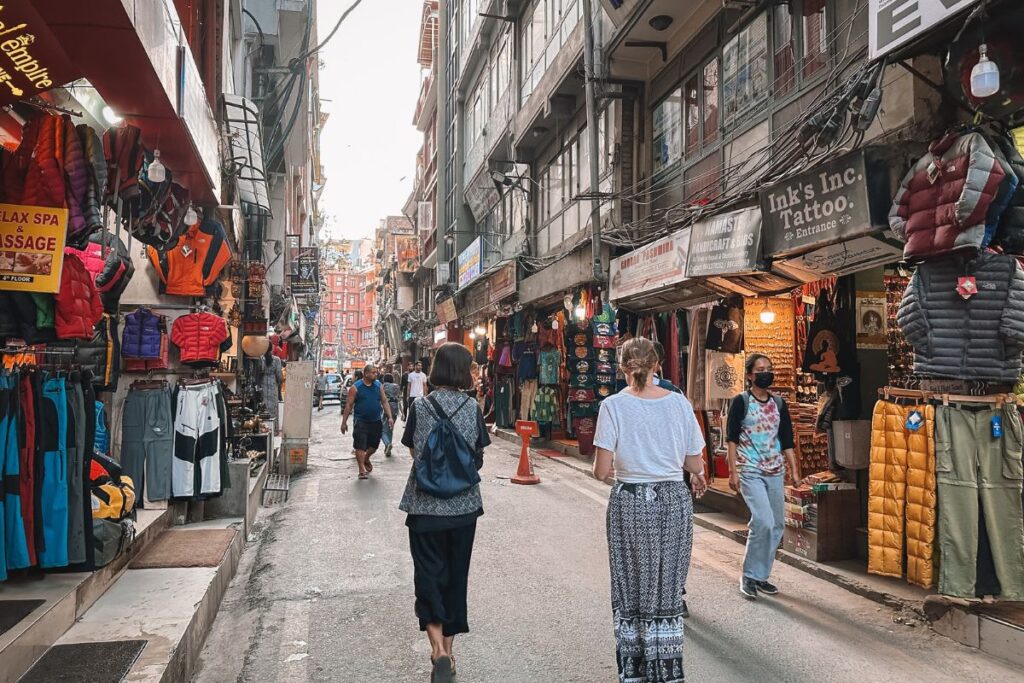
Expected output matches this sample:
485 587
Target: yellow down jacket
901 493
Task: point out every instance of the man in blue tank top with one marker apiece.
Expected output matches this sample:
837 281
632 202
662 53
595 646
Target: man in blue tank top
367 400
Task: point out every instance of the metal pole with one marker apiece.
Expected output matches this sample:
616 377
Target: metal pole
591 97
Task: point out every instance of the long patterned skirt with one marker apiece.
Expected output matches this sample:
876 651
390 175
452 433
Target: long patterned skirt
650 537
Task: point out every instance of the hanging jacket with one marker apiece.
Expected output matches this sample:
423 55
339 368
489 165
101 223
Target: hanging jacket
101 440
942 203
78 303
27 316
44 179
976 338
901 492
110 274
76 181
200 337
1010 231
194 262
96 167
140 337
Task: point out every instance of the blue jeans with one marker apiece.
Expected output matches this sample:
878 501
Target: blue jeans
765 498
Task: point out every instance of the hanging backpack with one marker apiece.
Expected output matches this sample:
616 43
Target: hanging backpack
446 467
110 539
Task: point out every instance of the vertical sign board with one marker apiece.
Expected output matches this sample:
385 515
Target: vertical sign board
407 250
652 267
471 262
31 247
893 23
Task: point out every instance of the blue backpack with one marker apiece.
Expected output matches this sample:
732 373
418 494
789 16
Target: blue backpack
446 467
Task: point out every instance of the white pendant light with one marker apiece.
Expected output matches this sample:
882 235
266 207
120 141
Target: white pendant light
767 315
472 334
534 328
581 312
156 171
480 331
111 116
984 75
554 324
191 217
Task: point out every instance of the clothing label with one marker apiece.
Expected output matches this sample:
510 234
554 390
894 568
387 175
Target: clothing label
933 172
914 420
967 286
997 427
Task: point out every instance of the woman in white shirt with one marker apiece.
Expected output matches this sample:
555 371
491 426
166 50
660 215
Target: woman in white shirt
646 437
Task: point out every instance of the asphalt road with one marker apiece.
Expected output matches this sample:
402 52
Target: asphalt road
325 593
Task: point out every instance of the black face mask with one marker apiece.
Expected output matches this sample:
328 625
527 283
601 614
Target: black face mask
763 380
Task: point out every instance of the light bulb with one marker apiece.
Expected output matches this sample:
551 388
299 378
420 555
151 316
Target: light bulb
767 316
581 312
156 171
191 217
111 116
534 328
984 75
472 334
480 331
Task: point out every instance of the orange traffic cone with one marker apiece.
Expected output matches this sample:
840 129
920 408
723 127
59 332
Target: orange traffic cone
525 474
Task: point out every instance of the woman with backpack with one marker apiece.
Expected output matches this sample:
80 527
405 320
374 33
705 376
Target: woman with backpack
646 437
445 432
760 437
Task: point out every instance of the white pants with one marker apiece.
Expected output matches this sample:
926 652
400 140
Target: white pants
196 442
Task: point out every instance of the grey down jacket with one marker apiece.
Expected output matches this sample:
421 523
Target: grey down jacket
977 338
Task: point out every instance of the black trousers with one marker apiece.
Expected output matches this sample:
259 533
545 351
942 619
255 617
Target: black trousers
441 562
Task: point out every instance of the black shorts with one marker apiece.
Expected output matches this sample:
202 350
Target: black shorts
366 435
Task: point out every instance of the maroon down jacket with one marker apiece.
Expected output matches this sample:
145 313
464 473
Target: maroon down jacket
78 306
941 204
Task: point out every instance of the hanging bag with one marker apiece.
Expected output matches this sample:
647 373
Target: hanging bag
446 467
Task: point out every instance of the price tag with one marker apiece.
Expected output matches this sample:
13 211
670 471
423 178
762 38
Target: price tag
914 420
967 286
997 426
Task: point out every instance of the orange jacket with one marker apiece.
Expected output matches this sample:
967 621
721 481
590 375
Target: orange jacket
194 262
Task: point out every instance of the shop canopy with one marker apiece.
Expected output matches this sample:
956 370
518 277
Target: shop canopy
138 59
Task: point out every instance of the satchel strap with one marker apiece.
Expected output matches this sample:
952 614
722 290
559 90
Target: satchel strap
441 412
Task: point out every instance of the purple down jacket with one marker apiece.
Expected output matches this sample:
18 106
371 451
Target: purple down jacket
141 335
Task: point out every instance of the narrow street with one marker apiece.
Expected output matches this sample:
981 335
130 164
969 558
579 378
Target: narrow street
325 594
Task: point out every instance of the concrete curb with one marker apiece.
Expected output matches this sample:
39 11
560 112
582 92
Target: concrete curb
576 462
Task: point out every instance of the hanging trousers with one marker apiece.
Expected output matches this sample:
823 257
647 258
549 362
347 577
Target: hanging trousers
196 442
147 442
528 390
27 443
901 493
977 470
76 470
52 421
13 542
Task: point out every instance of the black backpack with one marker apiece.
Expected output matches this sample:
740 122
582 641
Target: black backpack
446 466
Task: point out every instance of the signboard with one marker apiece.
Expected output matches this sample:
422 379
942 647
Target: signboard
653 267
824 206
32 61
892 23
407 250
853 256
871 327
446 312
471 261
724 244
31 246
440 335
305 270
503 282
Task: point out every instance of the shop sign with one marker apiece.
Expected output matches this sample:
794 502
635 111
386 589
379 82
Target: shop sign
871 325
446 312
653 267
475 298
470 262
892 23
824 206
31 246
503 282
305 270
31 59
440 335
408 253
724 244
848 257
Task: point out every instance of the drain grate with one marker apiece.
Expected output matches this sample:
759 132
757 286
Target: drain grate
105 662
277 486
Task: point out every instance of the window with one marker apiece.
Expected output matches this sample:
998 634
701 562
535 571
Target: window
351 299
711 101
745 70
814 37
351 318
667 134
691 114
784 50
800 42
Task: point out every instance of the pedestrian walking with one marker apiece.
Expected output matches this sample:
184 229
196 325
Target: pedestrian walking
646 437
321 387
273 376
416 384
442 529
392 393
367 400
759 433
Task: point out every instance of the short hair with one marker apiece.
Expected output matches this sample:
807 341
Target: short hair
752 361
358 374
451 367
369 366
388 377
660 350
419 362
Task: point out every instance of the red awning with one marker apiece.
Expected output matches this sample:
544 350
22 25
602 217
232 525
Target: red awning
135 56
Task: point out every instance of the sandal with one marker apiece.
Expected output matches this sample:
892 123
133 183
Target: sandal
369 466
442 671
364 475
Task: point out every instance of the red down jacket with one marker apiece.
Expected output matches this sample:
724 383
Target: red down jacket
110 274
78 303
943 200
200 337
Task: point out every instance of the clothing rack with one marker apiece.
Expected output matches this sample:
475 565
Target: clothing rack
945 397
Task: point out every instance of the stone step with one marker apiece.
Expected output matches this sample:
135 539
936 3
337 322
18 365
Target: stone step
66 597
996 629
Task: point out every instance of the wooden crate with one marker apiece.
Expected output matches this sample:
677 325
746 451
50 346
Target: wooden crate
836 535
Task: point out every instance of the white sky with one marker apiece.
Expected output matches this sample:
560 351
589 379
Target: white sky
372 80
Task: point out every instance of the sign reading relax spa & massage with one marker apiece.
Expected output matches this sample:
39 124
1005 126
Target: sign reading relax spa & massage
31 247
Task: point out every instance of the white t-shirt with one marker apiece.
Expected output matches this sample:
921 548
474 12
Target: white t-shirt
649 437
417 384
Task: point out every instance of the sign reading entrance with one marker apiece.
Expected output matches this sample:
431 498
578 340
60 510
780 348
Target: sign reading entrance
31 247
892 23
